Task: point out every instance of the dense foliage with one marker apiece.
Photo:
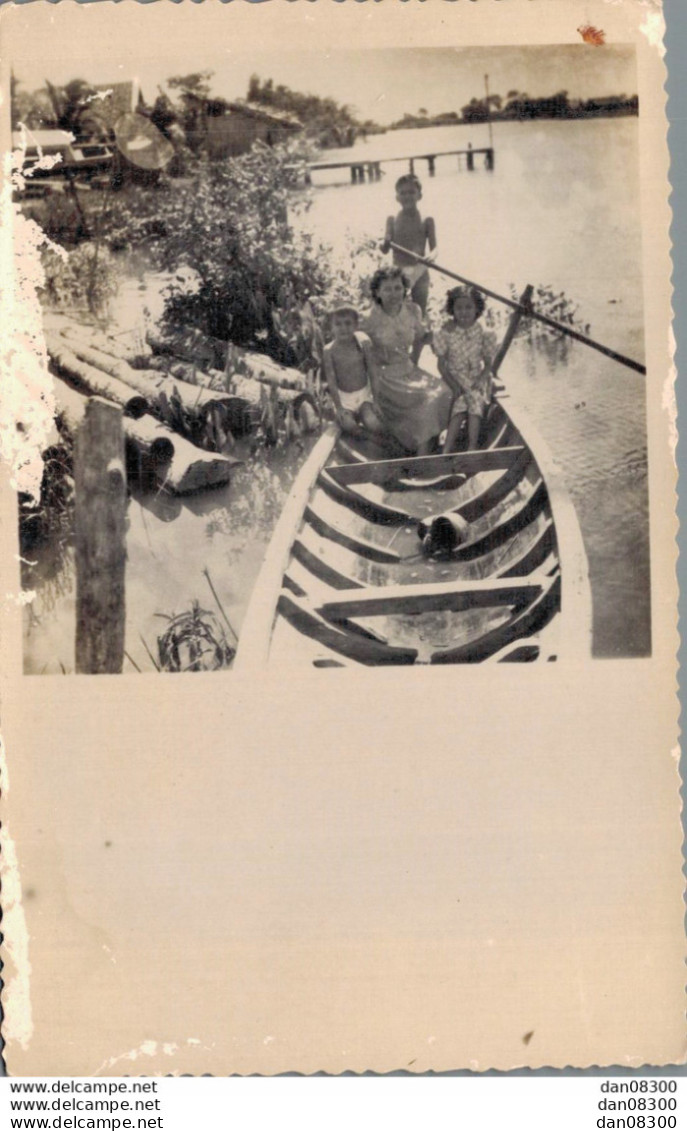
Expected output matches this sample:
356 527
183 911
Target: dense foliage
234 224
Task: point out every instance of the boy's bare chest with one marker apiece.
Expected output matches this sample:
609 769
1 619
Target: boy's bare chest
349 366
410 230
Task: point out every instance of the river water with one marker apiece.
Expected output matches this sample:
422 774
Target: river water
560 209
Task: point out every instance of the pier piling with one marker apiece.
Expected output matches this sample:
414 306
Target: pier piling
358 168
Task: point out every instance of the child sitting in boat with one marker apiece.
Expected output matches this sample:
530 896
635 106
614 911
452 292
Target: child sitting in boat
348 368
409 230
466 353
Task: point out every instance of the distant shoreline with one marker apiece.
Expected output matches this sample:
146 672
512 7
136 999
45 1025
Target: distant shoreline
573 116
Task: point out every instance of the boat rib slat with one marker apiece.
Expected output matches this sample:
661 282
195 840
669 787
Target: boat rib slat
535 556
321 569
493 494
354 646
521 518
369 509
523 624
357 545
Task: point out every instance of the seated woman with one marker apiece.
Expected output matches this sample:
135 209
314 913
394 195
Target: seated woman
413 404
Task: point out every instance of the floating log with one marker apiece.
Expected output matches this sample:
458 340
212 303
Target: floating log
205 416
157 452
247 389
94 380
115 347
188 469
100 538
270 372
192 345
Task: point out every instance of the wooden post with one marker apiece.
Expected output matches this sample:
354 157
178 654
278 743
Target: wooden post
525 301
100 529
430 163
470 158
489 159
411 165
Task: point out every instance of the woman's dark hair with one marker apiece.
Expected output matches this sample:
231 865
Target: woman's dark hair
459 292
381 275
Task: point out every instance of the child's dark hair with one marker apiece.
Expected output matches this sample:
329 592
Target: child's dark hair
342 311
381 275
459 292
409 179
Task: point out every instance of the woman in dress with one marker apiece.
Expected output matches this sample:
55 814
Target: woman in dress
413 404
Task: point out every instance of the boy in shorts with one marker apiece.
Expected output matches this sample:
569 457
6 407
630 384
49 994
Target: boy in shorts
408 229
348 368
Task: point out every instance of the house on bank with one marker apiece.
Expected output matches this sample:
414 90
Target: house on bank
229 129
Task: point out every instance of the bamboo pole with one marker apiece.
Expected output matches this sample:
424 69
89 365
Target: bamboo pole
528 312
100 539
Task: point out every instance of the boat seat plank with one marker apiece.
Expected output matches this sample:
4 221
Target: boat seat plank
429 467
363 649
434 597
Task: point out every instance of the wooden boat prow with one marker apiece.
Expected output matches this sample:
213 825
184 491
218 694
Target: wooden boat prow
345 583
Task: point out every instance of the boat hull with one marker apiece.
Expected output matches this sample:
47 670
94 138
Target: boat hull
347 581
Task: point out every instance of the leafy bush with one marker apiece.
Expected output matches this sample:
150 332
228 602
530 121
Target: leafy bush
233 223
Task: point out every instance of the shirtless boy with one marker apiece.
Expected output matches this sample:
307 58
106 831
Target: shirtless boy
409 230
348 368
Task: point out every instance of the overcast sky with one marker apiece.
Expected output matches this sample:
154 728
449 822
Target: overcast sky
380 84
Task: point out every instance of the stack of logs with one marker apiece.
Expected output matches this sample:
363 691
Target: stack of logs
181 412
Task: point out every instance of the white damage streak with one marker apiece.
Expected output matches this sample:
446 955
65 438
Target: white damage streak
17 1022
27 405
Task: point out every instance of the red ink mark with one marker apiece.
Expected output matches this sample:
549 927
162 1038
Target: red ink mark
592 35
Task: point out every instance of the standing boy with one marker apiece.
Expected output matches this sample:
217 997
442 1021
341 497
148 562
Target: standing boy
409 230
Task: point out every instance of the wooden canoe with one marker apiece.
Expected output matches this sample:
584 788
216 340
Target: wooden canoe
345 582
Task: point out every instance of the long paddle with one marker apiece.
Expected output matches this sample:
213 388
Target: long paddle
527 311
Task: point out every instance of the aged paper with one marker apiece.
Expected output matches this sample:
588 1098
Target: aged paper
308 864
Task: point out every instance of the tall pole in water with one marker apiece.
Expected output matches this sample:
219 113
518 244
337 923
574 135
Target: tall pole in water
491 135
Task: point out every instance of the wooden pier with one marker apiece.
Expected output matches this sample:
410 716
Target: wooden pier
372 171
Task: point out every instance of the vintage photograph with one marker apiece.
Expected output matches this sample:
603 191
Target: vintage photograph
347 355
340 369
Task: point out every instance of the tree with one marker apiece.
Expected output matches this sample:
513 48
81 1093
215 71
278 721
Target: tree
323 119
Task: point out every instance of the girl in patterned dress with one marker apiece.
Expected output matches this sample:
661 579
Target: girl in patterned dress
466 353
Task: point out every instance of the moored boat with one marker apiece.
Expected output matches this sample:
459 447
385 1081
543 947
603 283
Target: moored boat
360 571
